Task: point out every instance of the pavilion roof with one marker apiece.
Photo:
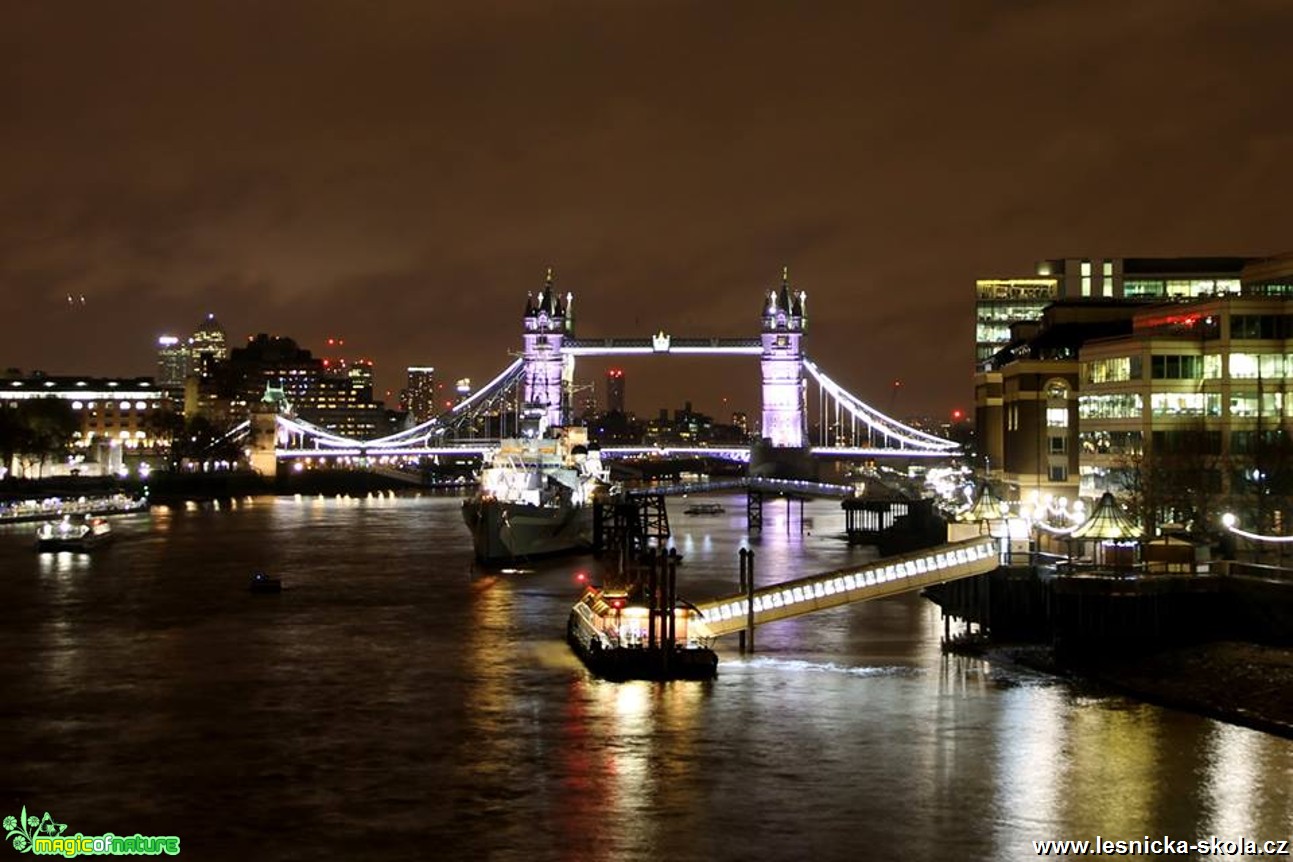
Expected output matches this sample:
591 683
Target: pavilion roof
1108 521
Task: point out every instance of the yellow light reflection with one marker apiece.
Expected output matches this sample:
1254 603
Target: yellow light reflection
1248 783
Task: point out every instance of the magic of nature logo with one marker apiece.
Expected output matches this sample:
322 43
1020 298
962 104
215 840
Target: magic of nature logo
44 836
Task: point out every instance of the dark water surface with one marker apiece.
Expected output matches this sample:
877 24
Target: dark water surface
392 703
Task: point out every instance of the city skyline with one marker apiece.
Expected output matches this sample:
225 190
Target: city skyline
407 177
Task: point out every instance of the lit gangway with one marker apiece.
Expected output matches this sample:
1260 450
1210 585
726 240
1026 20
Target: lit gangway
875 580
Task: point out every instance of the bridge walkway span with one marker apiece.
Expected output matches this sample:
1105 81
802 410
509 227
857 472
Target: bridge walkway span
876 580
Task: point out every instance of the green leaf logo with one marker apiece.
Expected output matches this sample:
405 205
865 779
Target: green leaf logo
21 831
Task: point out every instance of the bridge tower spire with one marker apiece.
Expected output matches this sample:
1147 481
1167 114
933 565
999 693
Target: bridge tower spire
784 390
546 326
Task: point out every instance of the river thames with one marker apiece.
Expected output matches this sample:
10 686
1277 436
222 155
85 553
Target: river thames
394 702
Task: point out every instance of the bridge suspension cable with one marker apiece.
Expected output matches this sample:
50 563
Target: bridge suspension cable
906 436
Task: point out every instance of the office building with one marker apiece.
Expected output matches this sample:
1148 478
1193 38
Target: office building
615 390
421 393
206 347
172 362
118 418
1181 408
1003 302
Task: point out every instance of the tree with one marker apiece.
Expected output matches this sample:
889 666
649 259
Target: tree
1174 478
198 439
45 430
12 438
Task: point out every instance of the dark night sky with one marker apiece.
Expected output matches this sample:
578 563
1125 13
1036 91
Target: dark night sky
400 173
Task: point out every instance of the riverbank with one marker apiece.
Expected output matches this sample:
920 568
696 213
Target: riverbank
166 487
1239 683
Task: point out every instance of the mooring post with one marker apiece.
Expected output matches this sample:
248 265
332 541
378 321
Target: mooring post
741 635
672 591
653 602
749 598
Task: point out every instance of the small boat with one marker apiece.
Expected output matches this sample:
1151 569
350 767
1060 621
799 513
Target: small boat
73 533
704 509
612 633
263 583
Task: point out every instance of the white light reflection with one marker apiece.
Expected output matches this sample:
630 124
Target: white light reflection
1246 784
1029 764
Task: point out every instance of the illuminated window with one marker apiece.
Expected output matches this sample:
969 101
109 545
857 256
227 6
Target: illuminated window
1252 365
1211 367
1057 417
1111 406
125 405
1143 288
1109 370
1270 404
1110 442
1185 404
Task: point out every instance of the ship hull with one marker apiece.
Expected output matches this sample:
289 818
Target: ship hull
506 532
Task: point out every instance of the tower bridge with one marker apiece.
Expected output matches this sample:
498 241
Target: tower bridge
541 378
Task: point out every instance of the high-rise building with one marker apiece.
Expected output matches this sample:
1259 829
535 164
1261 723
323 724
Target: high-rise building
1180 408
741 421
172 362
615 390
421 392
207 346
1003 302
338 402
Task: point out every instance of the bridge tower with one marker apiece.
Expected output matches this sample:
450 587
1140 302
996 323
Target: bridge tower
264 436
546 326
784 390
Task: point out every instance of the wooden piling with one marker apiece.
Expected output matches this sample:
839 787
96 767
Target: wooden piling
741 555
749 598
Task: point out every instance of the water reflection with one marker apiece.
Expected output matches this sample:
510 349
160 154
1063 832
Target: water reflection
1247 784
386 698
630 765
1030 767
63 564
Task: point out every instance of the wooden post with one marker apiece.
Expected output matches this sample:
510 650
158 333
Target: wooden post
740 640
653 602
749 598
671 591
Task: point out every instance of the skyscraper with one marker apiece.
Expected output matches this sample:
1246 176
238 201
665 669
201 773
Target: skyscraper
207 346
172 362
615 390
421 392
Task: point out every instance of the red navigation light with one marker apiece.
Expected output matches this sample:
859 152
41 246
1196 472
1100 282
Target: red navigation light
957 415
581 577
617 604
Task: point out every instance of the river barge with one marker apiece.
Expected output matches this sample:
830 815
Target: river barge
620 637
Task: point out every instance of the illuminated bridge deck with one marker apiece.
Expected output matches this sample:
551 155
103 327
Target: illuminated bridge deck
887 577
